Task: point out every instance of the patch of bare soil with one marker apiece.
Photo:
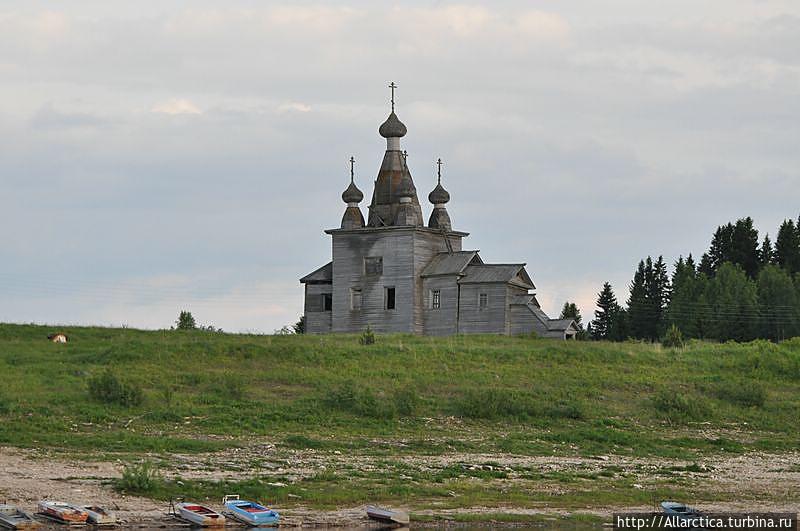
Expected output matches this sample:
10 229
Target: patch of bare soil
768 482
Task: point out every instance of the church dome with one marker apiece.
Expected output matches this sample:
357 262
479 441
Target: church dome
439 195
392 127
352 194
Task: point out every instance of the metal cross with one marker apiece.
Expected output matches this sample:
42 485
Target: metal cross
439 163
392 86
352 163
405 155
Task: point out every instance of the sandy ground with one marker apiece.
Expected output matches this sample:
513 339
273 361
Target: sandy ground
766 482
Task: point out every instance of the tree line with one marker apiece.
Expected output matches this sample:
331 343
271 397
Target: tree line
741 289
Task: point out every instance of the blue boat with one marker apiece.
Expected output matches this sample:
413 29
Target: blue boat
250 513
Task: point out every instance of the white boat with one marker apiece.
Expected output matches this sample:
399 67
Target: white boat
12 517
99 516
250 513
391 516
199 514
63 512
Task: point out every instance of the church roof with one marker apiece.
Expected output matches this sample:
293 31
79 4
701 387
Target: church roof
451 263
322 275
511 273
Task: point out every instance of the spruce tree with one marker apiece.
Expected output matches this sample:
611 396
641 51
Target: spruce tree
787 247
658 293
733 302
744 247
682 308
766 255
638 308
607 308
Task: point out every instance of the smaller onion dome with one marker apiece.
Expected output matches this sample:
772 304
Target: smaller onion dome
352 194
392 127
439 195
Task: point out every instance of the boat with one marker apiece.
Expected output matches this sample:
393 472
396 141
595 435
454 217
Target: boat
99 516
199 514
12 517
63 512
683 512
250 513
389 516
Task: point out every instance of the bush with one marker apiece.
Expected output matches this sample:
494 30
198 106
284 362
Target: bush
5 405
109 389
359 401
138 479
367 337
494 403
673 338
748 393
676 405
407 401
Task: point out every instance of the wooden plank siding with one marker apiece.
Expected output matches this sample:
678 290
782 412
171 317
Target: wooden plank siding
318 321
492 319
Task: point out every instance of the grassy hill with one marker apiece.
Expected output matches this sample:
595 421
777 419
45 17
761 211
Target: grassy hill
536 394
189 392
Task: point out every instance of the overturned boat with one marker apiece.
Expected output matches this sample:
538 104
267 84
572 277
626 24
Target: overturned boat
389 516
250 513
12 517
199 515
63 512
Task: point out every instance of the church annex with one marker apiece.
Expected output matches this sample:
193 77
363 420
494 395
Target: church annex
397 273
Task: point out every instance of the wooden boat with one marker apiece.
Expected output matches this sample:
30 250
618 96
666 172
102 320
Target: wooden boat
199 515
390 516
12 517
251 513
99 516
63 512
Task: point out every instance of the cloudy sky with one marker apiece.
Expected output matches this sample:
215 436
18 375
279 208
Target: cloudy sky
161 155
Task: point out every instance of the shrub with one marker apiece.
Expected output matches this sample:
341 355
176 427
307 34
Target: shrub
493 403
109 389
748 393
5 405
676 405
565 410
407 401
185 321
673 338
138 479
359 401
367 337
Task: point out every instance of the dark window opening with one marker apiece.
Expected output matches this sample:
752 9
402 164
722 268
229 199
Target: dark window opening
390 299
327 302
436 299
483 301
373 265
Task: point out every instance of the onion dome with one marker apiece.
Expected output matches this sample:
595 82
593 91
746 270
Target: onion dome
439 195
392 127
353 194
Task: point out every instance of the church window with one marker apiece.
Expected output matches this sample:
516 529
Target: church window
436 299
373 265
355 299
390 299
327 302
483 301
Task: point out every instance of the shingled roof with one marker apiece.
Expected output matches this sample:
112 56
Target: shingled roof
323 275
510 273
451 263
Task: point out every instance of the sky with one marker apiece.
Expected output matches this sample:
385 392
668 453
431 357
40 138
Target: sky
157 156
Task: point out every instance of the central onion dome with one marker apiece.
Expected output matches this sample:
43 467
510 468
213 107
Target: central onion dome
392 127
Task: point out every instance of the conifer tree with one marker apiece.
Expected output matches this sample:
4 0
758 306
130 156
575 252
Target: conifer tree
570 311
638 308
607 308
658 293
766 255
744 246
787 247
733 302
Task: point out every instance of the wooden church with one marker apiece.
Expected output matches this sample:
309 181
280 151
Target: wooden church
395 273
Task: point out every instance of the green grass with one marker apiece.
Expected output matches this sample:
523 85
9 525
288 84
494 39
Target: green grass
402 395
